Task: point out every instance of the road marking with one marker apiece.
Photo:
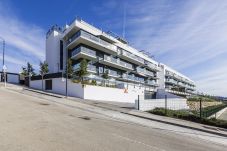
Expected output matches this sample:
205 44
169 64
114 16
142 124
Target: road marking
138 142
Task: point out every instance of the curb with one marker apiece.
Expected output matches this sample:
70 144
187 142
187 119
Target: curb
175 124
45 93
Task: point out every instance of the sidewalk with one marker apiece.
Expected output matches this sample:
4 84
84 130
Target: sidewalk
127 109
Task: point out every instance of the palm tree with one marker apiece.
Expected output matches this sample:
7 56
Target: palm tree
43 70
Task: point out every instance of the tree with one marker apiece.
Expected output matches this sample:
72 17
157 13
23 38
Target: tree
28 70
106 74
24 71
69 68
43 70
83 70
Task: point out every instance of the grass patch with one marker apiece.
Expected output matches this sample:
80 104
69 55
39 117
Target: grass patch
187 115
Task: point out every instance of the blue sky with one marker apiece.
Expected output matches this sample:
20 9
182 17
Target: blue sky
189 35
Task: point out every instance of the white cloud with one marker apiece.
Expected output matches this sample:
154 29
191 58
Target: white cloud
187 35
21 38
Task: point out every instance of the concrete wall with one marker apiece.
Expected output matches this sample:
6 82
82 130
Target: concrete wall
91 92
13 78
36 84
174 104
110 94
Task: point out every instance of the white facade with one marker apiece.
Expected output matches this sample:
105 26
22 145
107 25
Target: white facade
104 52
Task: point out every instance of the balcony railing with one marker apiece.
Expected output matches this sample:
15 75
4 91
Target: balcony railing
152 66
144 71
132 78
112 73
84 50
117 62
131 56
90 68
92 38
171 81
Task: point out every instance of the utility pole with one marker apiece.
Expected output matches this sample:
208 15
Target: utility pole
66 82
3 60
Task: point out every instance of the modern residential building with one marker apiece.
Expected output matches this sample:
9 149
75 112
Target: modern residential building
127 67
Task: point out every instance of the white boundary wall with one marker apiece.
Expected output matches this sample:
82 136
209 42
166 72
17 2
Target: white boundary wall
91 92
13 78
174 104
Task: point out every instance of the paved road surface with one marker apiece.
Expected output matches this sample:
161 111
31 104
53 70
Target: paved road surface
223 116
29 123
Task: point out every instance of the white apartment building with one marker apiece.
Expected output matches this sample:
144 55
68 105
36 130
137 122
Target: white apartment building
130 69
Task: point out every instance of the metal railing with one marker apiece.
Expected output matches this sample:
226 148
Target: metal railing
84 50
117 61
90 68
130 55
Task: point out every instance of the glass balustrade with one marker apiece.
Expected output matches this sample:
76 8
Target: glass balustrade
90 68
132 56
117 61
93 38
84 50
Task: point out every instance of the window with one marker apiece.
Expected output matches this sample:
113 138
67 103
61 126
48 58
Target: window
48 84
61 55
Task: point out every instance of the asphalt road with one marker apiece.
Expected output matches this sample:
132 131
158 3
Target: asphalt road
29 123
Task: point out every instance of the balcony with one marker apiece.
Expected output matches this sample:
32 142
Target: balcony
130 57
152 66
152 82
171 81
91 40
90 68
144 72
112 73
117 63
132 78
83 52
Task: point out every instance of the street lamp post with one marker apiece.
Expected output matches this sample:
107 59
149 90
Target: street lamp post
3 60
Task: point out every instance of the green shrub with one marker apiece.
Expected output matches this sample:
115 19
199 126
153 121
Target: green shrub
187 115
93 82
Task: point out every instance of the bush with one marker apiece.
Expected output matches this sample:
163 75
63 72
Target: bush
187 115
93 82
